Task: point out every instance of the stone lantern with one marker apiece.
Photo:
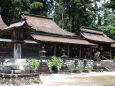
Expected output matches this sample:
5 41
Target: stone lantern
64 66
42 53
43 66
64 55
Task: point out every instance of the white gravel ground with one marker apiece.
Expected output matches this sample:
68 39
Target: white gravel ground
82 79
75 79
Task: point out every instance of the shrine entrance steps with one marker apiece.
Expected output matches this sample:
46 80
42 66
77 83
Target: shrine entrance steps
108 64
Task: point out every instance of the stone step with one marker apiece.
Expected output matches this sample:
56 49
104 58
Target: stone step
109 65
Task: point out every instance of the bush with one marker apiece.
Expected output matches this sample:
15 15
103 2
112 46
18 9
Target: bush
54 61
36 80
54 69
71 67
34 63
80 68
89 68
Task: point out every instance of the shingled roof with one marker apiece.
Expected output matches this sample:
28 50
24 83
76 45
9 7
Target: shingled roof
55 39
38 24
45 25
42 24
2 24
95 35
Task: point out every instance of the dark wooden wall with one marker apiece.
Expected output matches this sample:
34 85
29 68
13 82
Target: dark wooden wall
6 50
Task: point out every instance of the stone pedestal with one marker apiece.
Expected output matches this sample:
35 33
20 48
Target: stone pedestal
43 68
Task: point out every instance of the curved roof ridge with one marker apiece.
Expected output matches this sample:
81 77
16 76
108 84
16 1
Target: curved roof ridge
2 24
90 28
16 25
38 16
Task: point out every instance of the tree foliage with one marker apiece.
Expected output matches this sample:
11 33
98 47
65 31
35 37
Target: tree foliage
108 26
11 9
71 14
110 4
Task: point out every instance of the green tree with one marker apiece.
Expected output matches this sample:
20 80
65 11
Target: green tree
11 9
96 9
108 26
110 4
108 19
71 14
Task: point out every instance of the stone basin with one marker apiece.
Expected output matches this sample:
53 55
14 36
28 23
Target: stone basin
16 66
17 72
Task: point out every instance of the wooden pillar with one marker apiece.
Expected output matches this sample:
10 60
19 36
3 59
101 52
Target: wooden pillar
17 46
110 53
90 52
80 51
17 51
55 50
68 51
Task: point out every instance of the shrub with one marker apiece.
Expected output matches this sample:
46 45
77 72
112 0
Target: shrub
80 67
54 61
54 69
36 80
34 63
71 67
89 68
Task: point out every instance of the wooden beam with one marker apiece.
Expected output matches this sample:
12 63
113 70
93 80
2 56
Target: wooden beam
54 49
91 53
68 51
80 51
90 50
111 54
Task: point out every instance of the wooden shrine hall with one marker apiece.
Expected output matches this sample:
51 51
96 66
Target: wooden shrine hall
97 37
26 38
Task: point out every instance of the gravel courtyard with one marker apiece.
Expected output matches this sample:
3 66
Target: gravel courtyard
83 79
